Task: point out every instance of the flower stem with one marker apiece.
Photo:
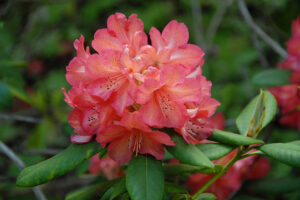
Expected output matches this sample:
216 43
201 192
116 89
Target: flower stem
218 175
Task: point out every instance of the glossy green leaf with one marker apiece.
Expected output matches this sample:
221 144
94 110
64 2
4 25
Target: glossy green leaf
245 118
145 178
232 138
182 197
173 188
205 196
276 186
107 194
284 152
118 189
272 77
89 192
5 97
19 92
175 169
258 117
215 151
58 165
188 153
296 142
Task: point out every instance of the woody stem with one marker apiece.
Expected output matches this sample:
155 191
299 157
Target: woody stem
218 175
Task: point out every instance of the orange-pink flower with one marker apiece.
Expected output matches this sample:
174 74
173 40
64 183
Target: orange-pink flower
288 96
132 135
126 79
171 48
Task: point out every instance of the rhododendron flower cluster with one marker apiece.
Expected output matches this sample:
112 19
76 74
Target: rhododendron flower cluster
288 96
248 168
128 89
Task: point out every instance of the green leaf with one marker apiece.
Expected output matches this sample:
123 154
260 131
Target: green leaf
188 153
276 186
249 113
296 142
58 165
5 97
145 178
215 151
89 192
232 138
272 77
118 189
205 196
107 194
19 92
284 152
175 169
172 188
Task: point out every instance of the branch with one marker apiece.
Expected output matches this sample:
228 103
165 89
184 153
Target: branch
9 153
249 21
262 58
216 20
12 117
197 22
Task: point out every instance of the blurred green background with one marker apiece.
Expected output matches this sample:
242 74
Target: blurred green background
36 44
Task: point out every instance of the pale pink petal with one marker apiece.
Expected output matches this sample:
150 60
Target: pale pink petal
134 25
131 120
151 113
207 107
76 72
117 24
75 119
172 75
103 40
188 55
79 46
146 91
103 66
174 114
189 90
194 130
175 34
90 120
148 55
78 97
104 87
67 99
122 98
140 39
79 139
156 39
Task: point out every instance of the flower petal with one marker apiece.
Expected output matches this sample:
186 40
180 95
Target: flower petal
76 72
103 40
79 139
117 24
188 55
161 137
152 147
119 151
111 133
175 34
